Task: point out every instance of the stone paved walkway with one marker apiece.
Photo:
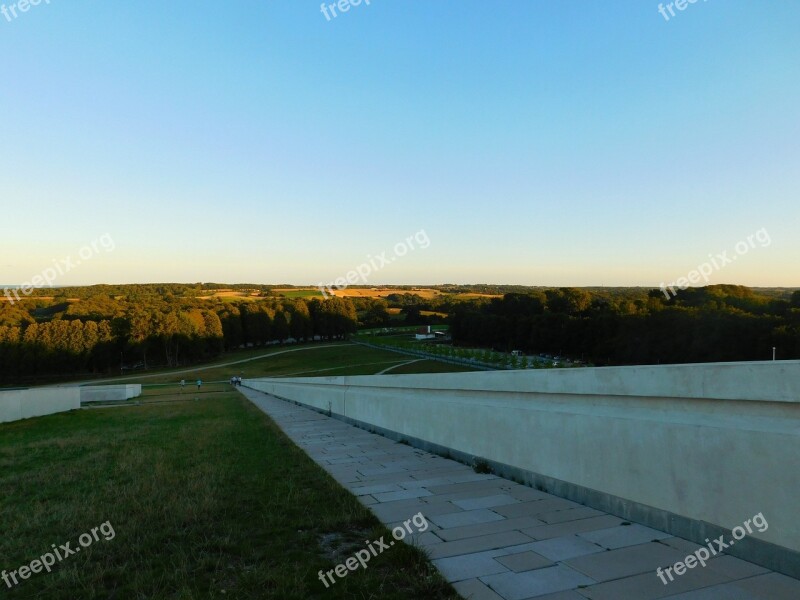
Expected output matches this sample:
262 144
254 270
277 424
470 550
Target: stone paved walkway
498 540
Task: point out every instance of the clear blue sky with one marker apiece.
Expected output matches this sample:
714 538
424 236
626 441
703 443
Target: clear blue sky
542 143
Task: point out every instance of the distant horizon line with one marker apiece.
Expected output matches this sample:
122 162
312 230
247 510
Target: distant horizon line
387 285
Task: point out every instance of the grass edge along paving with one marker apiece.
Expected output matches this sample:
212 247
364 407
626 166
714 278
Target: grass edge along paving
209 499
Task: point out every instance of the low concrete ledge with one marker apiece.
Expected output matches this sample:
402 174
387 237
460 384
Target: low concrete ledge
110 393
36 402
694 450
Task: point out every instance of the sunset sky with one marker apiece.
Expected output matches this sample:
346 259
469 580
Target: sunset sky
538 143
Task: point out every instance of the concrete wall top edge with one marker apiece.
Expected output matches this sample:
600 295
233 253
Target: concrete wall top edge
768 381
104 386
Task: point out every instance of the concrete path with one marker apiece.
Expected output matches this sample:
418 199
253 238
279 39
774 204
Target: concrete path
498 540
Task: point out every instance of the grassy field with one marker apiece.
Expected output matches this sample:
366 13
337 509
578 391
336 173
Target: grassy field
315 359
300 361
360 292
232 295
205 499
397 330
145 376
298 293
429 366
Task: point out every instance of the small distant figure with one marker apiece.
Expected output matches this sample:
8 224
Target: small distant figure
199 383
233 381
183 385
239 381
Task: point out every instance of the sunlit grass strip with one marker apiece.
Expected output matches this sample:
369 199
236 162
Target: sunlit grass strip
208 499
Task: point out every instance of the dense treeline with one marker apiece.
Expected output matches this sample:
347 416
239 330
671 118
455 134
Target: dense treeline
375 312
716 323
104 332
148 289
101 329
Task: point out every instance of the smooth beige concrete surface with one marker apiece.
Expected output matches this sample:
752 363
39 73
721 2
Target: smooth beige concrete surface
717 443
37 402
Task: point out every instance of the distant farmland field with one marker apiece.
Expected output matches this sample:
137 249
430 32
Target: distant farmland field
232 295
298 293
352 292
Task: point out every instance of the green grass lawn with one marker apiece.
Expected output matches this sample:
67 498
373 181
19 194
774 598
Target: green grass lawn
243 357
429 366
304 361
207 499
148 375
315 293
311 361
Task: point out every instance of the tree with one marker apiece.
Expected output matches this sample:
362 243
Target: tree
300 326
376 315
280 327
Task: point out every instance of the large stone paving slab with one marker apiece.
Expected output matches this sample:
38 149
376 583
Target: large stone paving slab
498 540
485 501
466 517
633 560
648 586
771 586
544 532
571 514
496 526
619 537
569 595
468 566
536 507
568 546
519 586
476 544
524 561
474 589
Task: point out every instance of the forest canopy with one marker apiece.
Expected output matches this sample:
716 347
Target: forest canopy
710 324
99 330
106 329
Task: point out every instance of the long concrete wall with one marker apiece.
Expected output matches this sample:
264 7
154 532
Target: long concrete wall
691 449
110 393
37 402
